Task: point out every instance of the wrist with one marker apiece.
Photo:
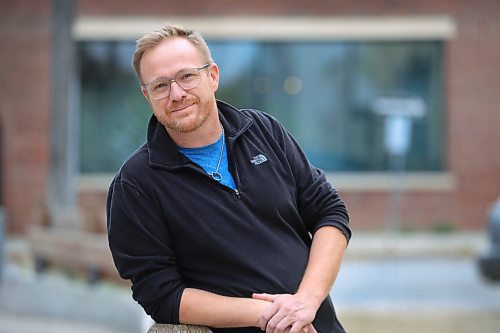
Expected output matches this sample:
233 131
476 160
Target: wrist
311 297
256 308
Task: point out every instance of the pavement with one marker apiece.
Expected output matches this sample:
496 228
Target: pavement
388 283
416 282
54 302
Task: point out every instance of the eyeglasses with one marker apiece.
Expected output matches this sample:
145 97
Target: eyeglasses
186 79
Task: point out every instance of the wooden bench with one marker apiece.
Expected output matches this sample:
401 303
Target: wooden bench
75 250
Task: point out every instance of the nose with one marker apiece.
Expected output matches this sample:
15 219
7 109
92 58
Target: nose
176 92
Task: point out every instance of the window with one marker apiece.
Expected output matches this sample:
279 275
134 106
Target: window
114 113
322 91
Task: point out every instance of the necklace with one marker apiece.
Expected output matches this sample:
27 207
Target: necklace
216 175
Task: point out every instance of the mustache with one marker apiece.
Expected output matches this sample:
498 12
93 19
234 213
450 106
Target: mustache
184 102
176 106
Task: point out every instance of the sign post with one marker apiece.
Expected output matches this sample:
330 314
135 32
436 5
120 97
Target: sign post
399 113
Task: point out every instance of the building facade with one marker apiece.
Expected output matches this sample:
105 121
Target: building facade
330 62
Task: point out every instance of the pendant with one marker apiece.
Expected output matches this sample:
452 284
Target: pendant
217 176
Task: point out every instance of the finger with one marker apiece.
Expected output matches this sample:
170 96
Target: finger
265 297
268 313
298 327
278 323
311 329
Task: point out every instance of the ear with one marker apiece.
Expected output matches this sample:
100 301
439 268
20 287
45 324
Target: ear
214 76
145 94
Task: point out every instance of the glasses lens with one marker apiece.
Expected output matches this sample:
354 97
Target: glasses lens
188 79
160 88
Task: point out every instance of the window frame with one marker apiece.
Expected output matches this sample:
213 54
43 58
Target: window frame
265 28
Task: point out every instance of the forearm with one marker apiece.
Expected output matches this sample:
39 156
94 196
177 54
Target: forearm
200 307
327 250
296 311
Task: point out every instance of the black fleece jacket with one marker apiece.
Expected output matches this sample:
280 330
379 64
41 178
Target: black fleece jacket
171 226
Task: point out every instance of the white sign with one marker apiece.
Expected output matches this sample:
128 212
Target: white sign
412 107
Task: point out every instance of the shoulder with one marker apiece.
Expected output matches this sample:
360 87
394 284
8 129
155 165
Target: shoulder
261 117
249 120
252 114
134 166
268 125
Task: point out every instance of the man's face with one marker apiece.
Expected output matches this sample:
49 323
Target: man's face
182 111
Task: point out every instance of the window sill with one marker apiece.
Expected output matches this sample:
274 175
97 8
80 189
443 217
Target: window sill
385 181
94 182
343 181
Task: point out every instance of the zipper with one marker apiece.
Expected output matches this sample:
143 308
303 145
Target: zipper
235 191
200 170
230 153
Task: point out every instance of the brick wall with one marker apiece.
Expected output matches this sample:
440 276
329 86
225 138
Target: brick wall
473 118
472 76
24 108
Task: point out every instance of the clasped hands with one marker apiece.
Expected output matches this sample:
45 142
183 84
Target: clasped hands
287 313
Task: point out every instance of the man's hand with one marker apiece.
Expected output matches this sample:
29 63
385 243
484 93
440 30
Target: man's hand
288 313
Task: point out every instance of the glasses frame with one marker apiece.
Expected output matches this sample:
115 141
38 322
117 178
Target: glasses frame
170 81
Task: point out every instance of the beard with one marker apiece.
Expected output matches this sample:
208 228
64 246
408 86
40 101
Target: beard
187 123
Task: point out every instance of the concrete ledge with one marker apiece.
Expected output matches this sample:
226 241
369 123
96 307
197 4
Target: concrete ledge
369 245
168 328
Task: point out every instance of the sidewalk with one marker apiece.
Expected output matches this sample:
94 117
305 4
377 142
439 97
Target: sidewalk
412 282
10 323
56 303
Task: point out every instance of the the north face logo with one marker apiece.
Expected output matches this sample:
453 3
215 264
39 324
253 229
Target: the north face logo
259 159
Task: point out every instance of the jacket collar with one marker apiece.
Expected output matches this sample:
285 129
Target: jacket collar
163 151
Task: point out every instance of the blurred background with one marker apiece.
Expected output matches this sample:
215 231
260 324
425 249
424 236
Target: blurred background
396 100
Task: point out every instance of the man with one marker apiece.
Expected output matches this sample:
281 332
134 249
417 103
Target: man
212 218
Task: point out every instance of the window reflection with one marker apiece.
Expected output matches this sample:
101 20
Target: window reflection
322 92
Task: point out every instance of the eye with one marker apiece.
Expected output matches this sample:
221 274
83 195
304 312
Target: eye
187 76
160 86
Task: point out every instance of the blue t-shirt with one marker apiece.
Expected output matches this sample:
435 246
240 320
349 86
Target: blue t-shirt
208 157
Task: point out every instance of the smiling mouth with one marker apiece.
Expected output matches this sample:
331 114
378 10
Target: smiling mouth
181 108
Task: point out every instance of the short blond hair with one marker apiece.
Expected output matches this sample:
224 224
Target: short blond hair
153 38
